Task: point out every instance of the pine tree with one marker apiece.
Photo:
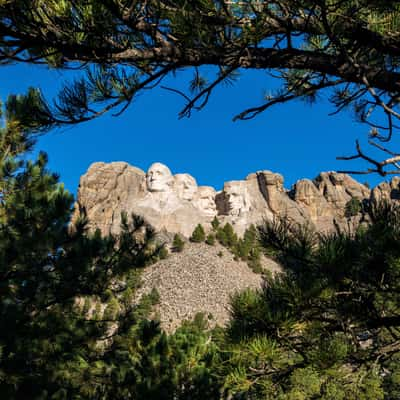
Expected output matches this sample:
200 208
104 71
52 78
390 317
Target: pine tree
210 240
215 223
52 274
346 47
198 234
178 244
288 342
227 236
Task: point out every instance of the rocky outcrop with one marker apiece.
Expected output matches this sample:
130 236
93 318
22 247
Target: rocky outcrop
171 203
108 189
386 191
176 204
325 198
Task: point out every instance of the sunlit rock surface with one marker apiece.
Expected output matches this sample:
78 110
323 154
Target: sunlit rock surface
176 204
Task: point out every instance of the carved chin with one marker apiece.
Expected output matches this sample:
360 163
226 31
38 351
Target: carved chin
235 209
157 186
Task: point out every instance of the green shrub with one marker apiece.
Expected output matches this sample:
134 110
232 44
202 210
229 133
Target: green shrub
250 235
210 239
163 253
231 237
178 243
227 236
352 208
243 249
198 234
111 310
215 223
154 296
221 237
254 259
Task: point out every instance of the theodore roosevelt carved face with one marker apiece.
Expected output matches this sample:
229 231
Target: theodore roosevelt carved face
159 178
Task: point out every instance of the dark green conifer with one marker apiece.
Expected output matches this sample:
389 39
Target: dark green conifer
65 292
352 207
215 223
198 234
210 239
178 244
228 236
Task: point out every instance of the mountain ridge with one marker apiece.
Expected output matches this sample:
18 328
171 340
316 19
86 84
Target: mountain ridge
176 204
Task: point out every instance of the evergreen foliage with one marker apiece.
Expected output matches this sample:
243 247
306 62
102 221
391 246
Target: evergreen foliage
346 48
327 326
246 248
215 223
227 236
198 234
163 254
70 325
178 244
352 207
247 243
47 265
210 239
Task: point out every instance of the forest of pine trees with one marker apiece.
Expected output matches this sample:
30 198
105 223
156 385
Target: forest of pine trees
327 327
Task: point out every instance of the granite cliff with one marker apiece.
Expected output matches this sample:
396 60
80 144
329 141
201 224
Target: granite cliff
202 278
176 204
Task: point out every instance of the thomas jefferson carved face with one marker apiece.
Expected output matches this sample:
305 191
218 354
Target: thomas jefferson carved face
205 200
186 186
237 197
159 178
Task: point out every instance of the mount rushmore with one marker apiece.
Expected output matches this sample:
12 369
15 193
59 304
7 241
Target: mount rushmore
176 204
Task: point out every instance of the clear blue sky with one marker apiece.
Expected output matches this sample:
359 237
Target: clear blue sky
295 139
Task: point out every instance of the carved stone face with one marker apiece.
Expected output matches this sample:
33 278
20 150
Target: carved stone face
237 198
186 186
159 178
205 200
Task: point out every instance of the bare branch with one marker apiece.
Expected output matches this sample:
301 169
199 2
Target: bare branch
379 165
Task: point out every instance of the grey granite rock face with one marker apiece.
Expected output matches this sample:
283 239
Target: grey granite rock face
176 204
386 191
168 202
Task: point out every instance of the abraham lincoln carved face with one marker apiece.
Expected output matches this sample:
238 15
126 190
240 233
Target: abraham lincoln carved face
237 197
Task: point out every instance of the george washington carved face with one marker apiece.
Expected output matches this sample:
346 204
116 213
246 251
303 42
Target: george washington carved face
159 178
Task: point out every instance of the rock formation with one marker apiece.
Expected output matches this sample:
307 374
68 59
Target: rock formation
168 202
386 191
176 204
